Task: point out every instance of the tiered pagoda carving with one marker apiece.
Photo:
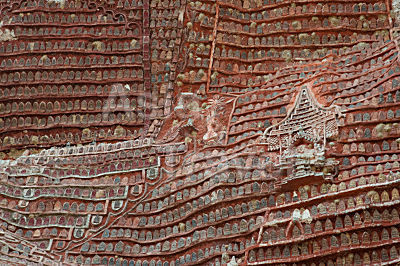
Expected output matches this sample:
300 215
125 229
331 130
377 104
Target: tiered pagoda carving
301 138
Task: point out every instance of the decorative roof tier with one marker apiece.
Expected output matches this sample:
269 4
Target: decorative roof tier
307 119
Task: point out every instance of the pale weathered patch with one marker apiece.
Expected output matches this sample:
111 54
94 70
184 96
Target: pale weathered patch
6 34
396 8
61 2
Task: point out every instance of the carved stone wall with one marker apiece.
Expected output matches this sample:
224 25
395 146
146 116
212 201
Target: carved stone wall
151 132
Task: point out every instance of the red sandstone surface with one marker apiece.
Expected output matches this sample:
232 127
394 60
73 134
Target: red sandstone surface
145 132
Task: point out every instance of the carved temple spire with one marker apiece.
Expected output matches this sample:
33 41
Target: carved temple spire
307 119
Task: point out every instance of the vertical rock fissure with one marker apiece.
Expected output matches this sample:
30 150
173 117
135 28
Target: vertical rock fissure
213 46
